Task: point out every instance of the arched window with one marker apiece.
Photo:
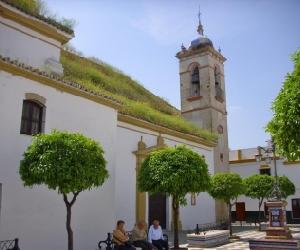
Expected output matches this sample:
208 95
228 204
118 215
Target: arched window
32 118
218 89
220 129
217 80
195 82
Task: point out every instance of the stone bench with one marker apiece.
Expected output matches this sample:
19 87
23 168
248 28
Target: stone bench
208 239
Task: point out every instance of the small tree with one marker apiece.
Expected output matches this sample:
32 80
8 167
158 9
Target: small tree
258 186
227 187
287 187
66 162
176 172
284 126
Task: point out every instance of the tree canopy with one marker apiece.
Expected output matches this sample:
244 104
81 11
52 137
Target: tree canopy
284 126
65 162
287 187
175 171
226 186
258 186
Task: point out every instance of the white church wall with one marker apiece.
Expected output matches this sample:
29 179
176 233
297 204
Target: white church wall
37 215
128 138
25 45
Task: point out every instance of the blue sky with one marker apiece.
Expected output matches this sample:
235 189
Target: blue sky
142 37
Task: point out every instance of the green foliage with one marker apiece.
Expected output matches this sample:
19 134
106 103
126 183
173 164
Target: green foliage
175 171
66 162
226 186
39 9
287 187
285 124
137 101
258 186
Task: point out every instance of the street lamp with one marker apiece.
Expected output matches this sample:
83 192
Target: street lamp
269 152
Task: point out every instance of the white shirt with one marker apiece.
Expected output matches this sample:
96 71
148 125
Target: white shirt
155 234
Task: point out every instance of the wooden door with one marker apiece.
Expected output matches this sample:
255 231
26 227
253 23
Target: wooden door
296 208
158 209
240 211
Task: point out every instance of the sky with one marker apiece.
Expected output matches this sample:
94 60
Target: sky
141 38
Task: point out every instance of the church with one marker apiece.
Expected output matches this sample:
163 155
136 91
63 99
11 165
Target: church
44 87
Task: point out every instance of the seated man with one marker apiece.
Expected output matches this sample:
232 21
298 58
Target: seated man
155 236
139 236
121 238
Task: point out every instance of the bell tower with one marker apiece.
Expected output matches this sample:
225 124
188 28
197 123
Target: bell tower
203 99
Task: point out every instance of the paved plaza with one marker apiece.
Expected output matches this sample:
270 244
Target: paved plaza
244 233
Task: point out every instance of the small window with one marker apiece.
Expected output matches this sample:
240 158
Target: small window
296 208
195 82
266 171
32 118
221 157
220 129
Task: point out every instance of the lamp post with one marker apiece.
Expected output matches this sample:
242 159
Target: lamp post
269 153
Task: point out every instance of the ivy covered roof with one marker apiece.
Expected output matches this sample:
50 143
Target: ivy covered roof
136 100
32 8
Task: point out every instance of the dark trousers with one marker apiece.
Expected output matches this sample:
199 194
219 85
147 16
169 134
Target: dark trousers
124 247
160 244
145 245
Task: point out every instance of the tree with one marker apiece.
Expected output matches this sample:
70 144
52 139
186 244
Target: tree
66 162
227 187
284 126
287 187
176 172
258 186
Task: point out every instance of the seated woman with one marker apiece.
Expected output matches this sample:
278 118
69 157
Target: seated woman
121 238
139 236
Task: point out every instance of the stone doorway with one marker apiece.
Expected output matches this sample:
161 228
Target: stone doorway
158 209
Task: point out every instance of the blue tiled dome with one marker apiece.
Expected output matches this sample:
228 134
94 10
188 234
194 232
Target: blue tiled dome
201 41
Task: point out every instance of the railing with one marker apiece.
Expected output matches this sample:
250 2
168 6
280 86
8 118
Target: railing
9 244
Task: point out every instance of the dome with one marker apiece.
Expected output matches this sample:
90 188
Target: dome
201 41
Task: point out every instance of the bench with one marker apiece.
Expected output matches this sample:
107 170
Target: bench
109 243
9 244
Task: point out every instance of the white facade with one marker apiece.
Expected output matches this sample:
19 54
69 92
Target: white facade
243 162
128 138
37 215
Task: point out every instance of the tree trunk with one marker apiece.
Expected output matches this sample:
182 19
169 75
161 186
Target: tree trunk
69 229
229 218
69 205
259 206
175 206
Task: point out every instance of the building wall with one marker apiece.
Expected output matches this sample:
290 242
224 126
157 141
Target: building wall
128 138
292 171
25 45
37 215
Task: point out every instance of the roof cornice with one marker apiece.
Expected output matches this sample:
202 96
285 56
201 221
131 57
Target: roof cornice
36 23
163 130
16 68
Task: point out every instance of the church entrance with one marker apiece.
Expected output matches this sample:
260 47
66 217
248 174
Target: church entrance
158 209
